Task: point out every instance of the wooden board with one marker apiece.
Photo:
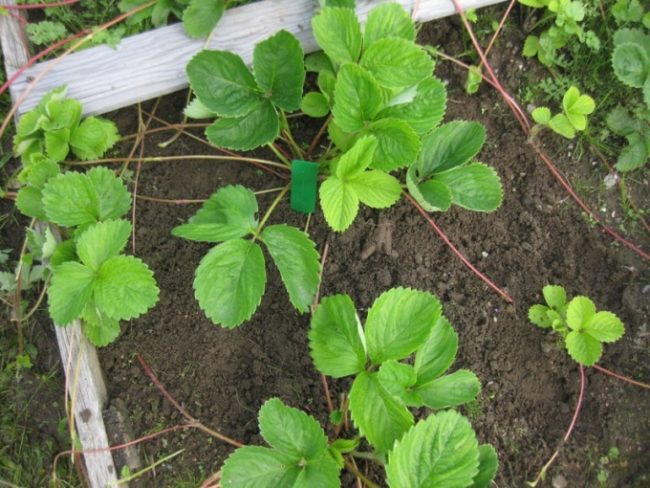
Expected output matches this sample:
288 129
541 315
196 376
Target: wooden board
14 43
151 64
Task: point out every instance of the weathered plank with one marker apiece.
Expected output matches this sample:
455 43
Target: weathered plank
14 42
151 64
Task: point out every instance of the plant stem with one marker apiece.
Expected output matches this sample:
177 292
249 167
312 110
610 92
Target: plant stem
621 377
167 127
542 474
270 210
33 6
355 471
498 30
287 132
370 456
39 300
451 246
146 469
317 138
279 155
162 159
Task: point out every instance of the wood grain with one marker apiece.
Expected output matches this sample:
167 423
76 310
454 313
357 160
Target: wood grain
151 64
14 42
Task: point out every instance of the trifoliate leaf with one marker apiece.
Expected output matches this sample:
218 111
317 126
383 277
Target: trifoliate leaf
99 328
294 254
399 322
279 70
201 16
93 138
124 288
355 161
260 126
631 64
290 431
228 214
432 195
230 281
562 125
397 63
69 291
437 353
196 110
542 115
538 315
29 202
398 144
450 145
223 83
579 312
583 348
379 416
258 467
487 467
439 451
315 104
427 108
398 378
474 186
388 20
339 202
102 241
450 390
338 33
57 144
575 103
605 327
376 189
555 296
335 338
357 98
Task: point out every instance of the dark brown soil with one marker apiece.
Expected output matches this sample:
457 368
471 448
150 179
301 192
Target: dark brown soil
530 385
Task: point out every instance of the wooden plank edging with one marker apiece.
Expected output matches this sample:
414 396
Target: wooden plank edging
152 63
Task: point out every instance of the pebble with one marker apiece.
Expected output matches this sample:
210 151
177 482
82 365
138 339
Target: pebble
610 180
560 481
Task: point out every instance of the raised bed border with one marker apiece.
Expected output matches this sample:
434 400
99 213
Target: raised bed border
151 64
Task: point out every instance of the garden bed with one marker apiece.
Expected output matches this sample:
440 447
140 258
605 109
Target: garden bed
530 385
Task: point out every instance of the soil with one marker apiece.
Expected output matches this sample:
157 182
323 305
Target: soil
530 385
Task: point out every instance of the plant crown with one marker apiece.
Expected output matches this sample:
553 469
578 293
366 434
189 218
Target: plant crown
582 328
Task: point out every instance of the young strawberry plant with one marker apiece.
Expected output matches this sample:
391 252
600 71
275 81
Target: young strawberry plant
441 450
575 109
582 328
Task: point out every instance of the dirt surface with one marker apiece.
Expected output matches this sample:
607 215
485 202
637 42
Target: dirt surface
530 385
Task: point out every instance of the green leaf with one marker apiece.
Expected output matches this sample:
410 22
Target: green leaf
124 288
323 472
437 353
294 254
398 144
487 468
64 252
397 63
376 189
357 98
40 172
357 159
388 20
93 138
260 126
56 144
292 432
439 451
450 145
228 214
338 33
62 114
605 327
575 103
102 241
579 312
113 199
317 62
450 390
230 281
399 322
258 467
196 110
531 46
69 291
561 125
475 186
398 378
583 348
223 83
29 202
631 64
70 199
338 3
100 329
378 415
279 69
538 315
542 115
341 139
336 338
432 195
427 108
201 16
327 83
555 296
339 202
634 155
315 104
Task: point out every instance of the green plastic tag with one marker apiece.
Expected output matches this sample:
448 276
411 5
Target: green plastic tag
304 179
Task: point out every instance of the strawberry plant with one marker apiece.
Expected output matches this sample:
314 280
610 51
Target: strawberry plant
575 108
441 450
582 328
